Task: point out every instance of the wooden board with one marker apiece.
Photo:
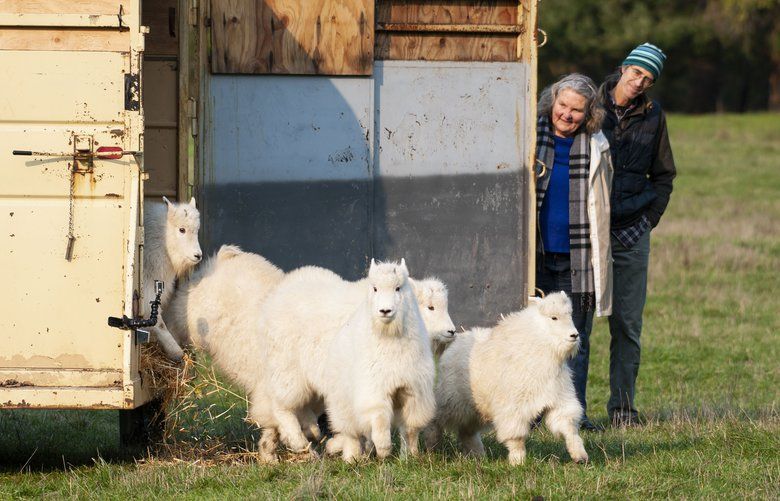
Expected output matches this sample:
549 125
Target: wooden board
451 47
65 6
161 16
439 30
65 40
322 37
447 11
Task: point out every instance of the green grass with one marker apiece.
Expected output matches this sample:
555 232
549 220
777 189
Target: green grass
708 381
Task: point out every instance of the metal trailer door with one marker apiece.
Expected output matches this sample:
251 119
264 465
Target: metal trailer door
70 88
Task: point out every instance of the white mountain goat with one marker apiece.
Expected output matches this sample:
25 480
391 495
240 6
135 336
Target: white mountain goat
301 317
171 249
217 308
433 299
379 368
507 376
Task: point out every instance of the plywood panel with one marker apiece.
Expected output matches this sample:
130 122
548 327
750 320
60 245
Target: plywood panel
449 47
449 30
447 12
325 37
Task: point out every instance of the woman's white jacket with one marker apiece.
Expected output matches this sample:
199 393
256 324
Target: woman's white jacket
599 185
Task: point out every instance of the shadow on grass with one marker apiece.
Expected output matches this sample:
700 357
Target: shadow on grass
48 440
602 448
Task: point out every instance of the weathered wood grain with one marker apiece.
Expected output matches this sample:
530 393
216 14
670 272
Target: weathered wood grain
447 11
161 16
447 37
324 37
67 39
64 6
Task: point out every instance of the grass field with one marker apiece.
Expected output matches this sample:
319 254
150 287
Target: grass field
708 383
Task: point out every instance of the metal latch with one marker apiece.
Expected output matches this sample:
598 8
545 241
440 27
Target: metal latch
88 156
125 323
83 156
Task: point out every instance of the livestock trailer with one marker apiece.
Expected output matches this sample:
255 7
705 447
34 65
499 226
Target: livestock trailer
321 132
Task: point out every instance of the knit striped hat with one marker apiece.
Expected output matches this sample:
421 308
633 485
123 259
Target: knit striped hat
649 57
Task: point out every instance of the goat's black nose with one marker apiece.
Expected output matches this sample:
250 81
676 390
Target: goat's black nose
198 256
452 332
385 312
574 336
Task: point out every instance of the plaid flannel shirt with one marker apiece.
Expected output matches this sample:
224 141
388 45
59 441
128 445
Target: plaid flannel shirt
628 237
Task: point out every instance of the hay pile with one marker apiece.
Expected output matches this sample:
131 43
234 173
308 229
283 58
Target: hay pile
204 418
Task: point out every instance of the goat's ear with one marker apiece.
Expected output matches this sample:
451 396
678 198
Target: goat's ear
373 265
167 202
403 266
192 202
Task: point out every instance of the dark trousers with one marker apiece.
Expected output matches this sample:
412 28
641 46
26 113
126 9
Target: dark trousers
553 274
625 324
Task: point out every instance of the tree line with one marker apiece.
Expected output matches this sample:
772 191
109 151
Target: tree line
723 55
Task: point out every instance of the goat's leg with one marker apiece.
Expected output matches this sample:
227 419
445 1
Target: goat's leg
564 421
516 448
269 440
290 431
167 342
380 431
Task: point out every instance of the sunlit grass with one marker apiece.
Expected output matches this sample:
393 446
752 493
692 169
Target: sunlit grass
708 380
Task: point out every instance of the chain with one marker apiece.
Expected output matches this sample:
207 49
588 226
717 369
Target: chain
71 236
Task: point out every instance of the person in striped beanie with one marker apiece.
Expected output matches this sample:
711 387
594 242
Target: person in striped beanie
635 126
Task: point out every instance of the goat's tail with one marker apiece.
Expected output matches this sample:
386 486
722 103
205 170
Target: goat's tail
228 251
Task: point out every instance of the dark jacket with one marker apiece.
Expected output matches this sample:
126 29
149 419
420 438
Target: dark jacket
642 159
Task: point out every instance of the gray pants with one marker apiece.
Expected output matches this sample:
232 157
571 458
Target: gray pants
625 324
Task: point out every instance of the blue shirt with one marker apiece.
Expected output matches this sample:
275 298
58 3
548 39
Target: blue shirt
554 216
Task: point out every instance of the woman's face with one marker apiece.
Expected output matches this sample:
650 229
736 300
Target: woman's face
568 113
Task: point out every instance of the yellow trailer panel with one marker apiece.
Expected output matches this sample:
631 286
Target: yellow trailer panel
70 219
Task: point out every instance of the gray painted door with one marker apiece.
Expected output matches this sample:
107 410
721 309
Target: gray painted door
422 160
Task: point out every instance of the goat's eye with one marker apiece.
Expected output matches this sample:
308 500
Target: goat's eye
182 230
555 318
374 289
397 289
431 308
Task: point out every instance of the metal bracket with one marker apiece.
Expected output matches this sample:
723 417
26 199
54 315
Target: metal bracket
194 13
141 336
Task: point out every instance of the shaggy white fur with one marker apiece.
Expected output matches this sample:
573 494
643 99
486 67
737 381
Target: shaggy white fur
507 376
171 249
217 310
379 368
301 317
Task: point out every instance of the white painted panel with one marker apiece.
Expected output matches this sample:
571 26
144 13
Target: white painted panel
287 128
447 118
59 86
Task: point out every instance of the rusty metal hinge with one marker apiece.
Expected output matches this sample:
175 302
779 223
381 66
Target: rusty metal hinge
194 13
192 114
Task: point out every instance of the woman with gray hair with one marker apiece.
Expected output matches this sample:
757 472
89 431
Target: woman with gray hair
574 176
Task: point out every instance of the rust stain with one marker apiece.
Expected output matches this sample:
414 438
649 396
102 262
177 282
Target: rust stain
13 383
113 195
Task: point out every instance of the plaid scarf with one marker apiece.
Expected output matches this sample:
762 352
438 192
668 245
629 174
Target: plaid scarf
582 286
